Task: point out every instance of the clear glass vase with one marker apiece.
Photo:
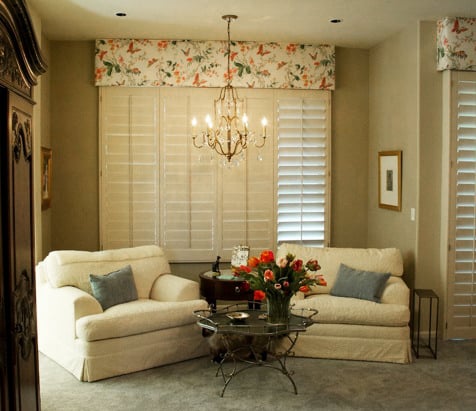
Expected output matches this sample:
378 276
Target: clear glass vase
278 307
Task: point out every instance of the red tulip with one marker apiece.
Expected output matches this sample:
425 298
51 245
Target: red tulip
297 265
259 295
267 256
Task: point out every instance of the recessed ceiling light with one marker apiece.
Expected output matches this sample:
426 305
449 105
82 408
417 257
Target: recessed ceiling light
335 21
121 14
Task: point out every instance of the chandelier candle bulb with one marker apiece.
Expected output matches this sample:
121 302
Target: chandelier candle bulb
264 123
208 120
245 122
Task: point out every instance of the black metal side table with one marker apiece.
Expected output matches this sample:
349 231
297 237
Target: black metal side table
431 296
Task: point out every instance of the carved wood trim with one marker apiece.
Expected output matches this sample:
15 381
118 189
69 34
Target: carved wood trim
25 324
21 61
21 129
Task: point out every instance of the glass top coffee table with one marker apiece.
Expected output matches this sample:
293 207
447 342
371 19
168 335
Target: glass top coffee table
249 341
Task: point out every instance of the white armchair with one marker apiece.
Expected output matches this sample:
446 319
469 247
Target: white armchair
156 328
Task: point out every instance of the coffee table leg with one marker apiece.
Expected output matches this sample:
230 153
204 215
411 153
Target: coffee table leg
232 354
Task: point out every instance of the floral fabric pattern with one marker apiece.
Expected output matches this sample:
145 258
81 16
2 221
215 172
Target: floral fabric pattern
456 43
187 63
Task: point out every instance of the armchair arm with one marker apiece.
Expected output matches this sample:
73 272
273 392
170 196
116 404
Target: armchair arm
396 292
169 287
60 308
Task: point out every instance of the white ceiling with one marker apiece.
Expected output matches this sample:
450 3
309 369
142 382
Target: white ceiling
365 22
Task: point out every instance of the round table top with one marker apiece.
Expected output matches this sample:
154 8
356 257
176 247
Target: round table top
223 275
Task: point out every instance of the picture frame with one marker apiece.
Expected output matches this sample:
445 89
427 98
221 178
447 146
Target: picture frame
46 165
240 255
390 180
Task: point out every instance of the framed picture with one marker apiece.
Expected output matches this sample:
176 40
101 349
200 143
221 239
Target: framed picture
390 180
240 255
46 158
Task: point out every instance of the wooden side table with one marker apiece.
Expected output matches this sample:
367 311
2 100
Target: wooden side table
215 288
430 296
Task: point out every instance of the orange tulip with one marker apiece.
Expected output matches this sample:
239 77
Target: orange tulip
253 262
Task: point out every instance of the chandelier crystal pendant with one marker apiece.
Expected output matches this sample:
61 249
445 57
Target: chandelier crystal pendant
231 135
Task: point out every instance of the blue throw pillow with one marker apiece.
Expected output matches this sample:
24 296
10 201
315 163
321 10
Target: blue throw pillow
365 285
114 288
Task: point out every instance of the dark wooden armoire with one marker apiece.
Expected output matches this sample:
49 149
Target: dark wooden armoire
20 64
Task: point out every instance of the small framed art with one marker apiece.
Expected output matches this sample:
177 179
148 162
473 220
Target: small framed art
390 180
46 159
240 255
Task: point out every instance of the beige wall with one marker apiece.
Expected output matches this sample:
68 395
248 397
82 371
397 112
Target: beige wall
350 131
74 113
74 140
406 114
394 126
428 269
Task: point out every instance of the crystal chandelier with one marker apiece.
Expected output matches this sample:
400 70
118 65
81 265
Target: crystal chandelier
231 136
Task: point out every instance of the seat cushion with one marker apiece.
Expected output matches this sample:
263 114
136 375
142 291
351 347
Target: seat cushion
137 317
344 310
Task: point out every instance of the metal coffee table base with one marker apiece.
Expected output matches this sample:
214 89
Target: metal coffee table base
249 341
249 356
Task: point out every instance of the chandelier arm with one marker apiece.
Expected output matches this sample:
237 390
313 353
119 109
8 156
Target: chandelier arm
217 146
261 145
195 143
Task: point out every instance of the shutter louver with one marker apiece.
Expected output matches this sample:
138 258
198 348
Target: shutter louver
464 286
303 188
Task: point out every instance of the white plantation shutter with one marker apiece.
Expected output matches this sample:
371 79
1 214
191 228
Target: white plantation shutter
129 180
303 170
157 188
462 318
189 184
248 190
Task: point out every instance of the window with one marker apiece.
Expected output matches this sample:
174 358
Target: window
303 156
462 258
157 188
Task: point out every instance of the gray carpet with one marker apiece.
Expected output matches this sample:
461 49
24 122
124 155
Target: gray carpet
448 383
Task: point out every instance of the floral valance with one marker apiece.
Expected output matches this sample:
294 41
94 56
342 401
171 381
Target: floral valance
187 63
456 42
